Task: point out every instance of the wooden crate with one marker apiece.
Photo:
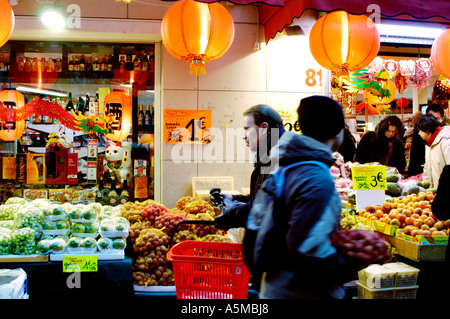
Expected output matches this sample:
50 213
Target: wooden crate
416 252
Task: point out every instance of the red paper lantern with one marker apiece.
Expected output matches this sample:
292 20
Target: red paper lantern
118 105
6 21
343 40
10 129
197 32
440 54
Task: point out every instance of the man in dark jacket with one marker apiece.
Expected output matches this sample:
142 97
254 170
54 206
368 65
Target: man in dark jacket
263 126
304 263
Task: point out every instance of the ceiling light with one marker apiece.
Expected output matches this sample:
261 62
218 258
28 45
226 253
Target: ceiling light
413 34
41 91
53 19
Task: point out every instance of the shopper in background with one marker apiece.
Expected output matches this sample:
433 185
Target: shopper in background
348 147
260 122
438 112
437 152
415 145
304 263
383 145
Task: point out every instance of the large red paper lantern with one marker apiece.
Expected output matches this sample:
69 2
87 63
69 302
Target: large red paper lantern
118 105
6 21
340 40
197 32
10 129
440 54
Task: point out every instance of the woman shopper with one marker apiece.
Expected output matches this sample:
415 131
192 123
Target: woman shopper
437 152
384 145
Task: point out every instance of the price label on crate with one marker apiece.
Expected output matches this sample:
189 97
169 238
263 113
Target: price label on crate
369 177
83 263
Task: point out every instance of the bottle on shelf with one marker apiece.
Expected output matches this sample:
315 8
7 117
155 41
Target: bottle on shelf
122 63
70 65
7 63
2 62
82 66
70 107
27 63
96 64
42 65
129 66
112 196
20 64
110 65
58 65
34 65
103 64
137 62
80 106
76 63
148 118
145 63
124 194
88 64
50 65
141 116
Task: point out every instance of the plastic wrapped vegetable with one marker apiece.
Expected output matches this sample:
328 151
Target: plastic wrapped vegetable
5 243
23 241
7 212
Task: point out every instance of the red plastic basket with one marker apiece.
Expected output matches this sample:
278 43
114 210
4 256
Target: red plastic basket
209 270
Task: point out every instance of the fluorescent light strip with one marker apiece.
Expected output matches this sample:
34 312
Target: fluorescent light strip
409 31
40 91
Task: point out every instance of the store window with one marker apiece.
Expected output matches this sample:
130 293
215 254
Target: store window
84 84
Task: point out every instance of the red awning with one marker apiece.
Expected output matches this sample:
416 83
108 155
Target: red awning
274 19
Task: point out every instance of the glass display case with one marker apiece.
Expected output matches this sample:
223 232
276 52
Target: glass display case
85 129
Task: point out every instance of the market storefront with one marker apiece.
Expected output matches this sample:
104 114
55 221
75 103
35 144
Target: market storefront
88 142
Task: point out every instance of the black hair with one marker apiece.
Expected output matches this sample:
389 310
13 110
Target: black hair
435 108
320 117
427 123
384 124
263 113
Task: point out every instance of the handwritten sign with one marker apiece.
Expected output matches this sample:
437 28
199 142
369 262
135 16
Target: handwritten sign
82 263
369 177
187 126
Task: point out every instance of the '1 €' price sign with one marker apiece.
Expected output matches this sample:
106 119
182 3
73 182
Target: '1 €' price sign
80 263
369 177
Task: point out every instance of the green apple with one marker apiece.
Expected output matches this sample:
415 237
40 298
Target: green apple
104 243
90 228
74 242
79 228
106 228
62 224
119 243
89 214
58 245
48 226
58 210
75 214
44 246
89 242
120 227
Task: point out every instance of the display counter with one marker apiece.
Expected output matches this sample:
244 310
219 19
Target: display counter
46 281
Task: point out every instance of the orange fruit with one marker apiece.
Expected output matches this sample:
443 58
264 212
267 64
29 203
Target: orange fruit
418 222
409 221
429 221
407 230
425 227
416 232
439 225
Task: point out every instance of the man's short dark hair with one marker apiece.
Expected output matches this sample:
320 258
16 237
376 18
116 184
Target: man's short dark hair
320 117
435 108
263 113
427 123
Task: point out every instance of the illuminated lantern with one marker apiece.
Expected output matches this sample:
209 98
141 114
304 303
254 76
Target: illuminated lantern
197 32
118 105
440 54
345 41
10 129
6 21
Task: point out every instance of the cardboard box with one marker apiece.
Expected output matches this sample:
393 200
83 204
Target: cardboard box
141 187
60 195
35 193
72 168
56 163
21 166
140 168
431 240
9 168
384 228
35 169
92 171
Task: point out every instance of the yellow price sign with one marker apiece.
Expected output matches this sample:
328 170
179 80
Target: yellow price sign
80 263
369 177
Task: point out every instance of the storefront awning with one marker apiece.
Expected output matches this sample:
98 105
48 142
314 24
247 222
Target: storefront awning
274 19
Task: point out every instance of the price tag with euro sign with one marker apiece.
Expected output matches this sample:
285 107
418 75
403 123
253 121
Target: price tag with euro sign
82 263
369 177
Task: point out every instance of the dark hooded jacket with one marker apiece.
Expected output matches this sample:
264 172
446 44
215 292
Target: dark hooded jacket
306 264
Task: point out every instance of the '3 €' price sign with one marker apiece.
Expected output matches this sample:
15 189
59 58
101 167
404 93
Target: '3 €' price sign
369 177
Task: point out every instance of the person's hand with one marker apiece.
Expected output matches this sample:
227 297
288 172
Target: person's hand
226 196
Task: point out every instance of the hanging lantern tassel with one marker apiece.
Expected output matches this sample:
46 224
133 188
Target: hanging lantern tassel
198 67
